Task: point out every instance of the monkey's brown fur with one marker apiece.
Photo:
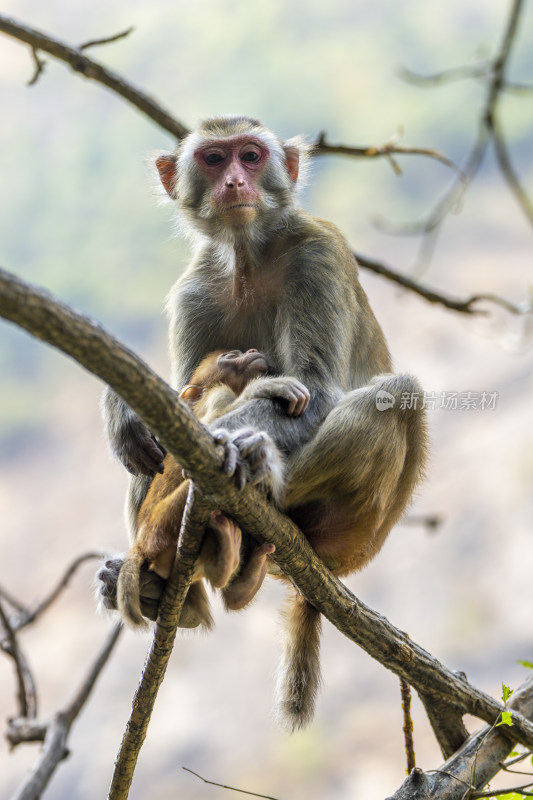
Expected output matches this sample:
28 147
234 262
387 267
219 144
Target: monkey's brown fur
227 559
265 273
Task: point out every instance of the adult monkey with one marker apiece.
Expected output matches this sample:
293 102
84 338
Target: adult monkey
267 274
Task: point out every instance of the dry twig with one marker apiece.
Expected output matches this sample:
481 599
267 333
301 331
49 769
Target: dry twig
54 733
193 525
231 788
74 57
26 692
390 148
489 130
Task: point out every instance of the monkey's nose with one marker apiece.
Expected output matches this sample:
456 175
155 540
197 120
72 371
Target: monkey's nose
234 181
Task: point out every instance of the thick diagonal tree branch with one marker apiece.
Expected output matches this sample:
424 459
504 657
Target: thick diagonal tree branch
186 439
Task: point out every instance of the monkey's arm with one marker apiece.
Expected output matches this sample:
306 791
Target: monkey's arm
289 390
129 439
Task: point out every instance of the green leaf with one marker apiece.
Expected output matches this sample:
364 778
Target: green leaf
506 693
507 719
511 796
527 664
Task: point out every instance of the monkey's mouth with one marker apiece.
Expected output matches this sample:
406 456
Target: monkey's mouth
239 213
259 364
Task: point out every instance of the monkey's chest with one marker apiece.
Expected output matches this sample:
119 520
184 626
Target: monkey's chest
248 320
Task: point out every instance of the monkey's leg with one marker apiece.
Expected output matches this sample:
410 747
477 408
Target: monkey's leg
159 523
350 484
221 551
244 586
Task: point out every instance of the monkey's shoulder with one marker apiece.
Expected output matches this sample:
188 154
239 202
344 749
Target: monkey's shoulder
319 257
320 239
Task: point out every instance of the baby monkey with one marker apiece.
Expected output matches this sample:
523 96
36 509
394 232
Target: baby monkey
228 559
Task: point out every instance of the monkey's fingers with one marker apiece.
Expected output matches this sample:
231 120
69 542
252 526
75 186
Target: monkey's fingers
107 576
142 455
303 402
298 397
241 475
250 442
231 454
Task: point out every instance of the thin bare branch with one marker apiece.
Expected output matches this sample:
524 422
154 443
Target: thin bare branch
28 616
39 67
94 71
405 690
482 69
322 147
501 792
461 306
516 760
106 40
517 88
82 695
189 545
508 171
489 130
12 600
57 730
231 788
26 693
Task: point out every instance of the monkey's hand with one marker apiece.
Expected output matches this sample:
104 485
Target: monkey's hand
139 450
129 439
252 457
283 388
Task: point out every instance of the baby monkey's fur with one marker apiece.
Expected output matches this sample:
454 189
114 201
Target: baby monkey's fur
228 559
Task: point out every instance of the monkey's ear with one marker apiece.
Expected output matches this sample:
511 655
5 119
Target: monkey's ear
292 160
191 393
166 166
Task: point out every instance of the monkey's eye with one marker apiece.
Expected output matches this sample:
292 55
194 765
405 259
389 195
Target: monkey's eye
251 156
213 158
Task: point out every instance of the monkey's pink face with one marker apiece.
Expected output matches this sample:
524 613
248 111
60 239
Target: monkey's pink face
233 168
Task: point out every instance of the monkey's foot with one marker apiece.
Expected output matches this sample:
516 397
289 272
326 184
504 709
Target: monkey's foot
221 550
246 584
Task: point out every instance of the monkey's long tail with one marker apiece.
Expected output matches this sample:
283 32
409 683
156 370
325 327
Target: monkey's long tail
128 590
299 677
